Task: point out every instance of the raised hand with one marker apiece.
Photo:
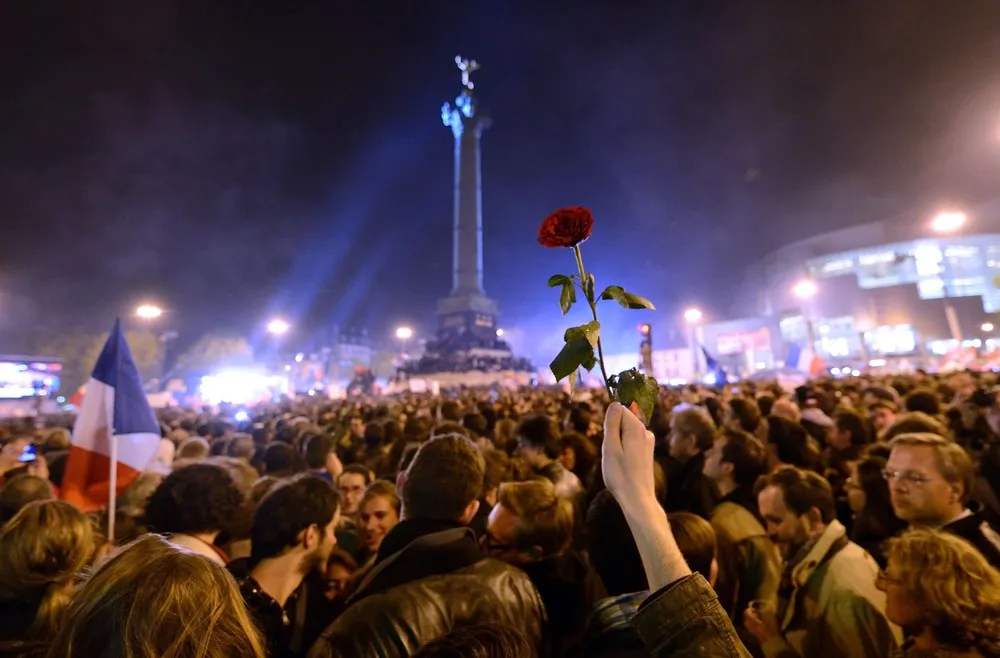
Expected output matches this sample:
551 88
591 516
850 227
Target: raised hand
627 456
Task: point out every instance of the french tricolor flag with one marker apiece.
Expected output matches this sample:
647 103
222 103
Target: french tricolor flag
805 360
114 425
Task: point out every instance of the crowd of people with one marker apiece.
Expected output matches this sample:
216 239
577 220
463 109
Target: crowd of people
847 518
466 352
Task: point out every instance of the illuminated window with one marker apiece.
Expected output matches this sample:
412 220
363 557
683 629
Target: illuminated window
899 339
961 252
838 265
927 260
875 259
930 288
835 346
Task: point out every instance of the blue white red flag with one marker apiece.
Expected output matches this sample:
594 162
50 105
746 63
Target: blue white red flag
114 409
805 360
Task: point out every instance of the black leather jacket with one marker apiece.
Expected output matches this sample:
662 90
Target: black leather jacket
397 620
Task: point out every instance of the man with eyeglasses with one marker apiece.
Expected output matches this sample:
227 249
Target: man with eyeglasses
930 484
531 527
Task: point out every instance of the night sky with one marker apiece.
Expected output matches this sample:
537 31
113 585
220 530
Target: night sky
235 160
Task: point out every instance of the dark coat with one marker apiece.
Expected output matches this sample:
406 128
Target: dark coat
433 584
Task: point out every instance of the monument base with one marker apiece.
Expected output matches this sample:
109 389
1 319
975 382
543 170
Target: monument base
470 319
467 341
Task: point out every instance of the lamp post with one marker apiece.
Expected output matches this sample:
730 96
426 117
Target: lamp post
806 290
693 316
149 314
949 223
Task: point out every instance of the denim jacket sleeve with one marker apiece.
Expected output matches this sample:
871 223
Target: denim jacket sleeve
685 618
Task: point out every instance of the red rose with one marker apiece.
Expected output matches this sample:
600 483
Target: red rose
566 227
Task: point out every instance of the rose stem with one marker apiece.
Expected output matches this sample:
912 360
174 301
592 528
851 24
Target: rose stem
589 294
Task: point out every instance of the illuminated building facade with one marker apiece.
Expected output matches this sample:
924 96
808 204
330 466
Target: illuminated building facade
884 291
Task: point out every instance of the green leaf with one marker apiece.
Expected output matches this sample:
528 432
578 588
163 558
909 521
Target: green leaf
567 297
589 332
627 299
588 287
578 350
558 280
634 386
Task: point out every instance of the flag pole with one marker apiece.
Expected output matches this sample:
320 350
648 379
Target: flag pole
112 487
113 439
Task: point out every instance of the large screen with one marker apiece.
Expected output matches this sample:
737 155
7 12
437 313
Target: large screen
26 379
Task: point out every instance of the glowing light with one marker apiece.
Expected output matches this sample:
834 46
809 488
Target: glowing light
805 289
239 386
299 357
148 312
987 327
278 327
948 222
692 316
241 416
855 373
877 363
404 333
499 333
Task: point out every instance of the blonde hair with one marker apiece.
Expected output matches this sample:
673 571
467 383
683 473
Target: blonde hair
950 459
543 518
957 588
154 599
42 549
381 489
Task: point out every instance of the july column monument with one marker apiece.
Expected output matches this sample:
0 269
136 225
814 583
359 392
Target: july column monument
467 311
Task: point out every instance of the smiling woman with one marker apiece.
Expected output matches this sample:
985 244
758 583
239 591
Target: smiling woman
379 511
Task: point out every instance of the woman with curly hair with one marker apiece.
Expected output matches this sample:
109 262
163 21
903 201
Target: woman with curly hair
193 505
944 595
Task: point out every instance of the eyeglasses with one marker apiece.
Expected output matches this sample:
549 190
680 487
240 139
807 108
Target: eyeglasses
909 477
493 545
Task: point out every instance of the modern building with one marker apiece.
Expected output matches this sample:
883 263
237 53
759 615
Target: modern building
868 294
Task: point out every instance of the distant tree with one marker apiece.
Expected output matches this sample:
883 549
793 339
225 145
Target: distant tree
213 351
79 352
384 363
147 351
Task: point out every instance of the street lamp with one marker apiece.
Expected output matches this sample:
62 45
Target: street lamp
693 317
278 327
148 312
948 222
805 289
404 333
